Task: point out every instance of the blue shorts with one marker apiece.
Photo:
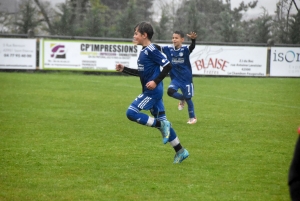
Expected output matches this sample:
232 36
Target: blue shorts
144 102
187 89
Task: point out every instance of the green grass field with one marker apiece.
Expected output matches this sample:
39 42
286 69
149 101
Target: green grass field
65 136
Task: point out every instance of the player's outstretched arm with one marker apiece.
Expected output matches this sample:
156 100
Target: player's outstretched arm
124 69
192 36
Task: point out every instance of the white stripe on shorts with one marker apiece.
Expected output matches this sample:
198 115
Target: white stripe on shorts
144 102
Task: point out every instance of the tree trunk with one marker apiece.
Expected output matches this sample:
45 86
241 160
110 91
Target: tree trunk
47 20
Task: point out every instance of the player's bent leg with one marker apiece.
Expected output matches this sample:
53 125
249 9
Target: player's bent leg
174 93
134 114
171 91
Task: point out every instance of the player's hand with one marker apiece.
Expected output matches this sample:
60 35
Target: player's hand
192 35
151 85
119 67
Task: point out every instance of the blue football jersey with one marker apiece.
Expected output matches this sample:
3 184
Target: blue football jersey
181 66
149 62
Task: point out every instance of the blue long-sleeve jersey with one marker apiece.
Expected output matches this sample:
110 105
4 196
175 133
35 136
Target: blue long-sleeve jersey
149 62
181 66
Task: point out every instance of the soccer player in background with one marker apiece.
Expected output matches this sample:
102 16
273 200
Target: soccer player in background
149 61
181 73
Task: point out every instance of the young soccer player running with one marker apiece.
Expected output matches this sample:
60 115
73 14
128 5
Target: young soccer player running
149 61
181 73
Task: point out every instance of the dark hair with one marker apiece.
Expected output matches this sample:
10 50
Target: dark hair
179 33
145 27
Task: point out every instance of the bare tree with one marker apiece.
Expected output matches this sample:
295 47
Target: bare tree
42 8
28 18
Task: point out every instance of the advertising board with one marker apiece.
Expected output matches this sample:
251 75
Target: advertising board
87 55
285 61
17 53
229 60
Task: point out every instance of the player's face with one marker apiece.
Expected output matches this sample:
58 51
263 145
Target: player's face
177 40
138 38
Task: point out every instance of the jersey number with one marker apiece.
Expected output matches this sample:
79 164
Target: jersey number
190 89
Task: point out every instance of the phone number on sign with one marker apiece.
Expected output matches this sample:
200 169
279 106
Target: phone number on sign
18 55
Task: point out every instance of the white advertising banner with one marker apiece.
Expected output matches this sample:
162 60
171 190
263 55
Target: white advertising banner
229 60
285 61
17 53
88 55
